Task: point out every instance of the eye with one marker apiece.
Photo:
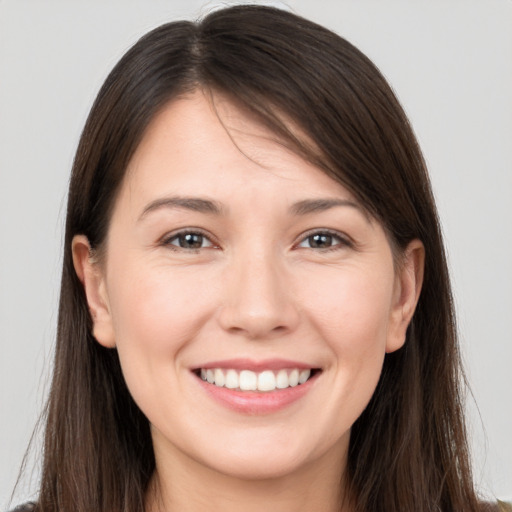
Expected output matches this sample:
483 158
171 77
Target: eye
323 240
192 240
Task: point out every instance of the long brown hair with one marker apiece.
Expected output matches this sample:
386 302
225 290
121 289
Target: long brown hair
408 450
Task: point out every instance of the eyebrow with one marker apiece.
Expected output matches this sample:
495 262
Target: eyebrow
308 206
201 205
195 204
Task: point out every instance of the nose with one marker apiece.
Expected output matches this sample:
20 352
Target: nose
258 301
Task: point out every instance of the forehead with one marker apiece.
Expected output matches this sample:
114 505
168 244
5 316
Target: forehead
215 146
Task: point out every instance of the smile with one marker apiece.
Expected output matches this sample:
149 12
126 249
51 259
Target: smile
247 380
254 387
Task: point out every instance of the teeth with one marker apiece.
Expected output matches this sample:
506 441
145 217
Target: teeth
282 380
266 381
231 379
304 376
219 377
293 378
247 380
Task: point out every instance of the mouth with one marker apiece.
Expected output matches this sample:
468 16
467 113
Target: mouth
264 381
257 388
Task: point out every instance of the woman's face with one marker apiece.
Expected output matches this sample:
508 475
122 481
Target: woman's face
231 259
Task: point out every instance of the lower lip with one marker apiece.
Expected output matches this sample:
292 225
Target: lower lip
257 403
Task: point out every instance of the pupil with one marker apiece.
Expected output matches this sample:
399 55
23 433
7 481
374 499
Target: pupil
320 241
191 241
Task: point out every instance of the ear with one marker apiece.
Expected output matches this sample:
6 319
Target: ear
409 280
93 280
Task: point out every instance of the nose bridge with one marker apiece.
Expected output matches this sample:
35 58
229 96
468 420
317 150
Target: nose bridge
257 301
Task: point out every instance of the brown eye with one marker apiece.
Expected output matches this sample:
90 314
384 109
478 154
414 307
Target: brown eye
189 240
323 240
320 241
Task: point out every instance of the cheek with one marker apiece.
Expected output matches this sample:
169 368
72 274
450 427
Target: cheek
352 317
353 310
154 316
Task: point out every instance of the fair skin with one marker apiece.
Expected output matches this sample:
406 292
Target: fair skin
227 252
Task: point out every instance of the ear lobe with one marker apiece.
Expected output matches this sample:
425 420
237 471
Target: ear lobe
409 281
93 280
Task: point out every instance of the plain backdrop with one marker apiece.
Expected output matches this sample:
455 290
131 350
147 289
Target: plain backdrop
450 63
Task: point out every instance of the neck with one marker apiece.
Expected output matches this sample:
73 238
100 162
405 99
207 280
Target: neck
188 486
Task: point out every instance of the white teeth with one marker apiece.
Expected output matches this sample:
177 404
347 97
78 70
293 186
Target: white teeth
282 380
231 379
293 378
266 381
219 377
247 380
304 376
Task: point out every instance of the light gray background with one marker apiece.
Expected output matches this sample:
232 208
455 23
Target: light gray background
451 65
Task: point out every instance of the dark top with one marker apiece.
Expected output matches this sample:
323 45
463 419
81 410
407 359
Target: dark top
27 507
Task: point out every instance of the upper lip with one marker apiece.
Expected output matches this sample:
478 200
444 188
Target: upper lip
255 366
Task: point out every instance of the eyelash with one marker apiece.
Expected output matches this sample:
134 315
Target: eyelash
342 240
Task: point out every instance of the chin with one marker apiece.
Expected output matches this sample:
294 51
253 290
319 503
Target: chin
259 467
273 457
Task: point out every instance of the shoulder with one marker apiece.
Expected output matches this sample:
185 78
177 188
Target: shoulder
27 507
504 507
498 506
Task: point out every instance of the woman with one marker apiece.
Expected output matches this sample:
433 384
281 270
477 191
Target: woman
255 307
